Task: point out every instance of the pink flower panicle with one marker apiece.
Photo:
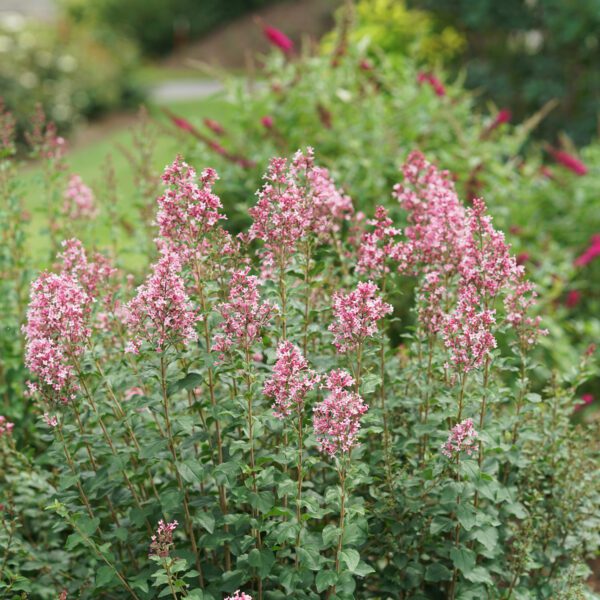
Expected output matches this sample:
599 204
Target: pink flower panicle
336 419
569 161
188 210
244 315
79 200
278 39
356 315
162 543
296 199
467 331
290 382
376 246
161 313
430 299
94 276
486 260
587 399
6 426
437 227
462 437
45 142
56 332
281 215
237 595
592 252
50 420
518 304
8 125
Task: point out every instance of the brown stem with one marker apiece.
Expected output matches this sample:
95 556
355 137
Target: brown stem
188 519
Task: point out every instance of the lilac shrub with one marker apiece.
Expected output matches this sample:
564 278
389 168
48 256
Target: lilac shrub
252 421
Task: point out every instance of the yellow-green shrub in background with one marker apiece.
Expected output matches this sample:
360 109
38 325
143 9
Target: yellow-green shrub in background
399 31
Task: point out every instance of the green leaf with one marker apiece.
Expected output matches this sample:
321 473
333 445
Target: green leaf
206 520
488 537
88 525
363 569
438 572
466 516
191 470
439 524
325 579
463 559
479 575
351 557
262 501
189 382
104 576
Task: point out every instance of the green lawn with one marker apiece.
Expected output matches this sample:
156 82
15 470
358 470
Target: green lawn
88 161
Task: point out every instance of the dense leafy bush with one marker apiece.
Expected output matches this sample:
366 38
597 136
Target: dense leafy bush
64 69
243 421
157 25
524 54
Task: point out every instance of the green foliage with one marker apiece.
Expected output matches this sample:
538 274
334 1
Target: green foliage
157 26
524 54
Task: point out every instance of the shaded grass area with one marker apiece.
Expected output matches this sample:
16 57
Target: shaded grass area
88 159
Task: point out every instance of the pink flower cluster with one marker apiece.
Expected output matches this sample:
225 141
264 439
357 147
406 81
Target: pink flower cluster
50 420
377 246
518 304
486 260
462 437
6 427
161 313
465 264
79 200
336 420
237 595
162 543
356 315
93 276
187 211
437 227
56 332
244 315
592 252
291 381
467 331
297 199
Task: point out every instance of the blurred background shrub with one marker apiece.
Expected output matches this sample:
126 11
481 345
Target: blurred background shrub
522 54
394 29
68 70
158 26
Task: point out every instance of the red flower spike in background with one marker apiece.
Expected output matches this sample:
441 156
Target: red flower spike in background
591 253
573 298
214 126
276 37
587 400
267 122
433 81
569 161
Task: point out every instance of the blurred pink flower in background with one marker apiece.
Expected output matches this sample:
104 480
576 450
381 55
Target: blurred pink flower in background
573 298
433 81
278 39
590 253
569 161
